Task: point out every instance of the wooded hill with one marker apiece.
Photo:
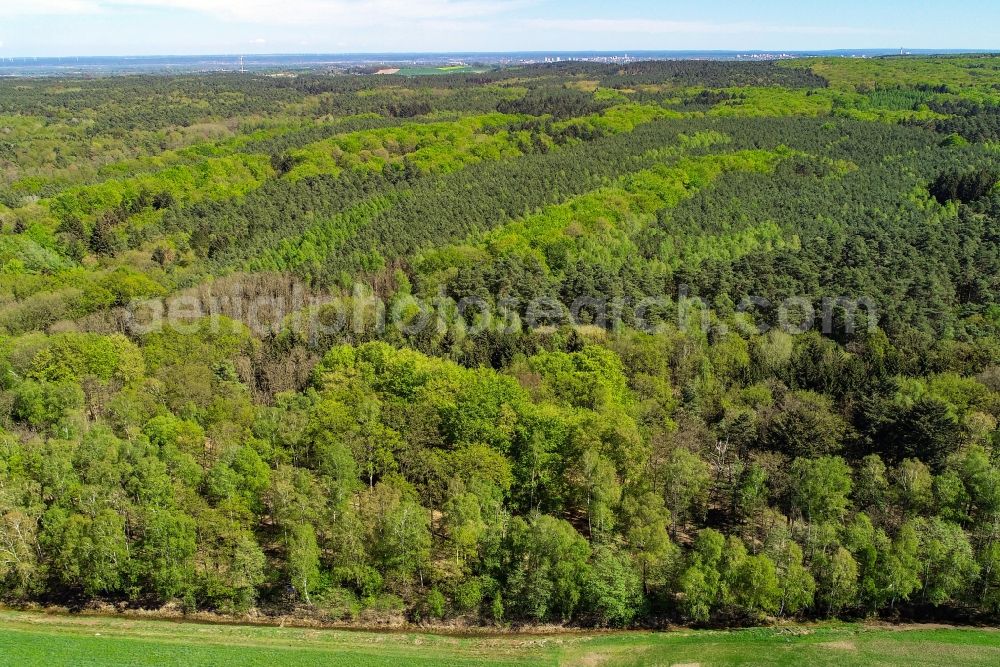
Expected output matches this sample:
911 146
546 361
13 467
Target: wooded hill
616 471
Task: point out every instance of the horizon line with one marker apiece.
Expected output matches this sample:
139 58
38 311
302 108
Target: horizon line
909 50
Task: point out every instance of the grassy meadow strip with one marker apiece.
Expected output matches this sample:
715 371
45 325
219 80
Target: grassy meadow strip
31 640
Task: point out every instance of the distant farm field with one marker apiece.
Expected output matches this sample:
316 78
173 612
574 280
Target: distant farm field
449 69
37 639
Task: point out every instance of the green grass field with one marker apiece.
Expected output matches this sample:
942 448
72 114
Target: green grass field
432 71
38 639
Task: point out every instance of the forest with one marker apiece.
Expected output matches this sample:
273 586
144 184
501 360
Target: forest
673 451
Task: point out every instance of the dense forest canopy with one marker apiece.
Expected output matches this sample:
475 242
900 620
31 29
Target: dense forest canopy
734 352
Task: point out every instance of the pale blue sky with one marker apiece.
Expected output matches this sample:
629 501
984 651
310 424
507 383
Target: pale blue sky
141 27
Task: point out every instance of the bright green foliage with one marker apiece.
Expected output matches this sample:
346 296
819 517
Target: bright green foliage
73 357
168 548
303 560
591 378
614 589
218 178
90 552
230 564
820 487
399 530
599 485
948 566
756 585
463 517
900 574
436 604
551 576
774 102
699 584
914 486
646 535
426 147
797 584
836 579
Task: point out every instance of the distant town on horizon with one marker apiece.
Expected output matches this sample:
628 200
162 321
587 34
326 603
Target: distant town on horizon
264 62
